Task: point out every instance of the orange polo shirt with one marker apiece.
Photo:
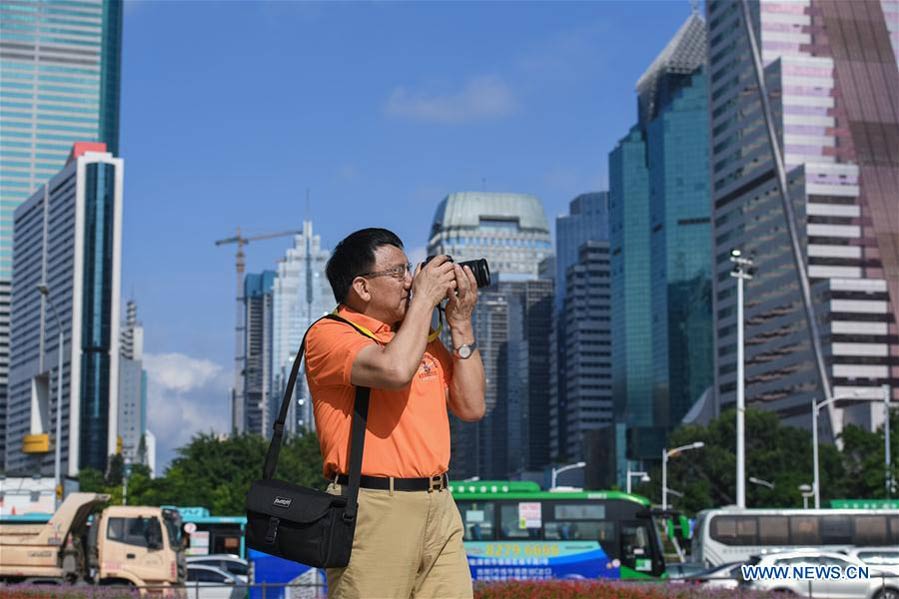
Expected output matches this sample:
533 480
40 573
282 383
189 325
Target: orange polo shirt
408 429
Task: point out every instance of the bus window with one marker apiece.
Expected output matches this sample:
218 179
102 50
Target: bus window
774 530
804 530
835 530
579 511
578 530
478 520
735 530
510 524
870 531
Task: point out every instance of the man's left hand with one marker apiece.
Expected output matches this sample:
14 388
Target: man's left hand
463 299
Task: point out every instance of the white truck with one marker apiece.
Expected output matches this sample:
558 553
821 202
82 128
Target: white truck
137 546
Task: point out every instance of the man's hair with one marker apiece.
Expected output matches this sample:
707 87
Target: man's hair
354 256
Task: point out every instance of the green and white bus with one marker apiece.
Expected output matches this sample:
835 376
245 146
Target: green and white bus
515 530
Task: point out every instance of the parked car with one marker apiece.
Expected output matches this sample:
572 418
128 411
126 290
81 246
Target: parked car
874 587
681 570
208 582
237 567
885 559
725 576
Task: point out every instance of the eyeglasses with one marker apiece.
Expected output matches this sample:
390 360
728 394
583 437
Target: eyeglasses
397 272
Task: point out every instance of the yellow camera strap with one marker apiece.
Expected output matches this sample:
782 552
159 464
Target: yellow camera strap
431 336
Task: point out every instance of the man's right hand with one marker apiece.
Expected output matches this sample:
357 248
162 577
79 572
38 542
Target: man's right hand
434 280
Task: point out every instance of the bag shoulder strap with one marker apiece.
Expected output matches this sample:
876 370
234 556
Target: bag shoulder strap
360 417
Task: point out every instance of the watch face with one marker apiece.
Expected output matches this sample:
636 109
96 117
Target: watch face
464 351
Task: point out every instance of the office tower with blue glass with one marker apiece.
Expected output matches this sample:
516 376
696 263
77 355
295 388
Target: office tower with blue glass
67 237
512 326
301 294
660 246
254 415
587 221
832 77
59 84
132 420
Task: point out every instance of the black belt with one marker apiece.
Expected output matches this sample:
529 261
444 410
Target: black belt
433 483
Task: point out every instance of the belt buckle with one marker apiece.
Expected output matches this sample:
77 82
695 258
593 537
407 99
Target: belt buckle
435 483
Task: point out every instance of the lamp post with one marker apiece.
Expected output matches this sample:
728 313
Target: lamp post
557 471
742 271
854 396
644 477
670 453
57 439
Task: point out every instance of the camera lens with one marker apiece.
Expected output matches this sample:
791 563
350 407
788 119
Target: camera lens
481 271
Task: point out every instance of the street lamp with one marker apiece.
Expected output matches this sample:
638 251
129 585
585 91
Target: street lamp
742 271
760 482
557 471
644 477
854 396
670 453
57 439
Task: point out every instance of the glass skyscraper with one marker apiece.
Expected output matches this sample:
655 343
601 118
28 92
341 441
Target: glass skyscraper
301 294
59 84
831 73
254 415
587 220
660 246
68 237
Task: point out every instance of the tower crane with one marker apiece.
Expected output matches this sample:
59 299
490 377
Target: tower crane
237 415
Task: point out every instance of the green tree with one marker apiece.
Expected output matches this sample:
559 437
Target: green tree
863 458
775 453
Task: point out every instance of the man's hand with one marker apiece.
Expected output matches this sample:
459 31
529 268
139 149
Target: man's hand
462 298
434 281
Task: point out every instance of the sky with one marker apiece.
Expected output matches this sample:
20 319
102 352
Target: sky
232 112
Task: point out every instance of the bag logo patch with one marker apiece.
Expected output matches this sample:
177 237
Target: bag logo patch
283 501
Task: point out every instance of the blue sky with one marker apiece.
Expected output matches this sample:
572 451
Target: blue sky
232 110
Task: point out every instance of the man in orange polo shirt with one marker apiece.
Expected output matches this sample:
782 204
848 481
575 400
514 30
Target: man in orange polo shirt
408 540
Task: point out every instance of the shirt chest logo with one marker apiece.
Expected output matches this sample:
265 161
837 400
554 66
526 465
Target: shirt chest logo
428 368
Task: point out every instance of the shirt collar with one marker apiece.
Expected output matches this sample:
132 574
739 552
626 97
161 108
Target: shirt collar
372 324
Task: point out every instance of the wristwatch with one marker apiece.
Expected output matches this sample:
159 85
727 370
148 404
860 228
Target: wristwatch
465 351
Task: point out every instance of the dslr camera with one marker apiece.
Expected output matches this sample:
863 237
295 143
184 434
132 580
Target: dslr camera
479 268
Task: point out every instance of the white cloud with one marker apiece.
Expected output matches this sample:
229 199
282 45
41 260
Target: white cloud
185 396
485 97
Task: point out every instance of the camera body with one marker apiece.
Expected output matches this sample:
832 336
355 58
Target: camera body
479 268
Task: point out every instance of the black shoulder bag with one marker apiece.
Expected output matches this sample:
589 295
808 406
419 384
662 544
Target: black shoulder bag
298 523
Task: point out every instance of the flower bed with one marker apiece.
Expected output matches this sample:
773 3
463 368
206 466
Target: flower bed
588 589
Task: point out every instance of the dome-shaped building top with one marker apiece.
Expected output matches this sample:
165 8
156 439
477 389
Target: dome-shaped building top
510 230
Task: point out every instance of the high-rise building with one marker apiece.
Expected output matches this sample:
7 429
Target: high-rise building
59 83
301 294
588 220
512 233
831 73
661 309
67 236
132 419
587 347
258 298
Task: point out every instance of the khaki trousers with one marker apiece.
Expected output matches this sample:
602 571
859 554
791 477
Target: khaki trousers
407 544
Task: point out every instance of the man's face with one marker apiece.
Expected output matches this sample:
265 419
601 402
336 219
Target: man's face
389 283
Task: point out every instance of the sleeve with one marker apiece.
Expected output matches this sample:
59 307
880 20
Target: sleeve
439 351
331 349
